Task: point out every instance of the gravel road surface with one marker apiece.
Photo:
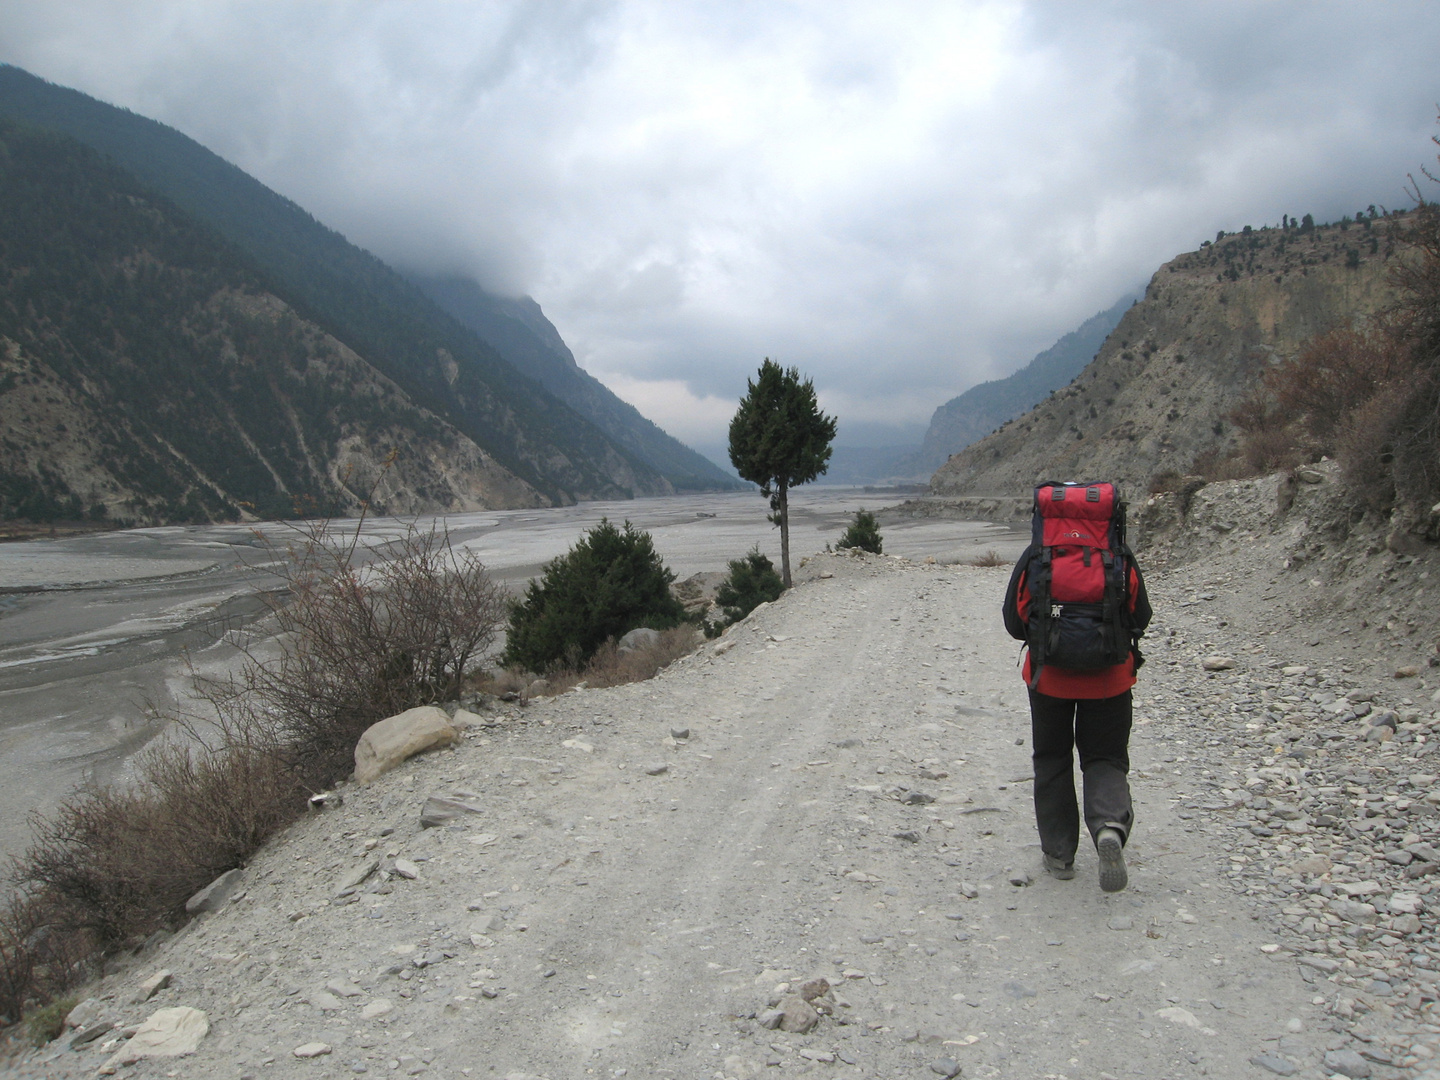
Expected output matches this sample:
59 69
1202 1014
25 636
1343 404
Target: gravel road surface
851 803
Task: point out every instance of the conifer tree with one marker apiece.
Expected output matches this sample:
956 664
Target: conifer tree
780 438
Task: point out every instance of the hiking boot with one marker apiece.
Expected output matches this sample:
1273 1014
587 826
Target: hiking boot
1111 850
1059 868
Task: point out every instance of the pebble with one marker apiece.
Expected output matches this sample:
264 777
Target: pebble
150 987
1347 1063
312 1050
1276 1064
657 769
407 869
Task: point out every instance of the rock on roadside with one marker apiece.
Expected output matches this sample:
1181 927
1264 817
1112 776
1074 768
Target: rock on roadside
389 742
171 1032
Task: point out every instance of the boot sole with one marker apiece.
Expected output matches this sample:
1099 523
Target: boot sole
1113 876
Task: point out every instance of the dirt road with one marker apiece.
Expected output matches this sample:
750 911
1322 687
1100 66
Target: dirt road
852 802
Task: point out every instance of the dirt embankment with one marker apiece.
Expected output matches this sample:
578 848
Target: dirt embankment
838 789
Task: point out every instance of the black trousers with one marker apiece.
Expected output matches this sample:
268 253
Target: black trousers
1100 730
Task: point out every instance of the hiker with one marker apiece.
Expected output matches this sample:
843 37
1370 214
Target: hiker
1077 599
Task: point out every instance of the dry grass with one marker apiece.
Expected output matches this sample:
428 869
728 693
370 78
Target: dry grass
608 667
988 557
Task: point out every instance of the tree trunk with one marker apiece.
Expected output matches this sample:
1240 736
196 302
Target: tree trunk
784 535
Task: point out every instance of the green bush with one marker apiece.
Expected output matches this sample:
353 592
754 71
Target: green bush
609 583
753 581
863 533
47 1023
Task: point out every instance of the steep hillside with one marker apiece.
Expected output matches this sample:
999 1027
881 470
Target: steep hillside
148 375
438 363
519 331
981 409
1156 396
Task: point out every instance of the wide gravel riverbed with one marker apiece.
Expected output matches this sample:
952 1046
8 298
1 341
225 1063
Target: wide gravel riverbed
95 628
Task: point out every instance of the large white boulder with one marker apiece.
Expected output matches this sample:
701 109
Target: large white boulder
167 1033
391 741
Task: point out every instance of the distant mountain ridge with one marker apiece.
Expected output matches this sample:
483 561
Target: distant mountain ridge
981 409
148 375
519 331
442 366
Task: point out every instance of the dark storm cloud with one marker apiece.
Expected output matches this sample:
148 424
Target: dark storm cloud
900 199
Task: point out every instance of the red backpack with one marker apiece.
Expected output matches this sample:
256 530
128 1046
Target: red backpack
1078 574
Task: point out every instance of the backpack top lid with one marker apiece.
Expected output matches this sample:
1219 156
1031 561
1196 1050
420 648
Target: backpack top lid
1075 514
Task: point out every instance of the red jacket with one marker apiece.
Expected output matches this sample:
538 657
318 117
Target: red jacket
1062 682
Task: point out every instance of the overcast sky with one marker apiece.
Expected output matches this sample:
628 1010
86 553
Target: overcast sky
902 198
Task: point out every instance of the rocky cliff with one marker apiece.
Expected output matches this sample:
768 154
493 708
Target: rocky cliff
1158 394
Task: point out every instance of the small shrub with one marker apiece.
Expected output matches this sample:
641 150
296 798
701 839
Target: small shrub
504 681
989 557
1165 481
37 963
47 1022
1368 446
752 581
609 583
862 533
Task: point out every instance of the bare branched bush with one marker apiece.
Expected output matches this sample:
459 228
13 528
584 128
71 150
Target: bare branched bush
347 643
118 862
1367 449
1332 374
37 963
1272 440
1401 431
362 642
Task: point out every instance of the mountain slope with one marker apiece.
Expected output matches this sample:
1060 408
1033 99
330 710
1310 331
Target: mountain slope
355 297
147 374
1158 394
519 331
981 409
